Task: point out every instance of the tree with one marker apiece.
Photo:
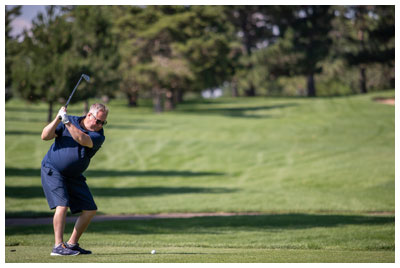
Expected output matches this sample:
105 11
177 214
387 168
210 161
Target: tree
93 51
253 27
311 28
370 38
163 66
171 50
38 71
210 47
11 48
304 45
127 21
142 45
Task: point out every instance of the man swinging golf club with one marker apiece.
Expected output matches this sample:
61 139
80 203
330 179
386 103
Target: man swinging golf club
77 139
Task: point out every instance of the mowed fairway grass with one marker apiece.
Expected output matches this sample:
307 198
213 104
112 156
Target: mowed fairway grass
320 172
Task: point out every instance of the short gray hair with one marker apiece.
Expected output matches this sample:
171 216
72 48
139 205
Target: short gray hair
98 107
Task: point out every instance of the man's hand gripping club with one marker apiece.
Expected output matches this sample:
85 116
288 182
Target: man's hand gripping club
62 115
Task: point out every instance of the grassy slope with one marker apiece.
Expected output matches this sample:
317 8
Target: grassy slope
231 155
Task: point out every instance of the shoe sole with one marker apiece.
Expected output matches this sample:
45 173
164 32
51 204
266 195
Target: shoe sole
56 254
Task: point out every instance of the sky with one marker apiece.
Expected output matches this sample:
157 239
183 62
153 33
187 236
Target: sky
28 12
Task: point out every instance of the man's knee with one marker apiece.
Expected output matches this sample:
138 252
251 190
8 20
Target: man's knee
90 212
61 209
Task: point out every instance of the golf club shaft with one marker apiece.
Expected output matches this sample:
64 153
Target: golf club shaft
70 96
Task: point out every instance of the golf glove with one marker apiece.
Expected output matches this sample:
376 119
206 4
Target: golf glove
63 114
64 119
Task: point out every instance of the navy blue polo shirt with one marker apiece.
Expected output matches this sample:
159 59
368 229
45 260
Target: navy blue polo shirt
69 157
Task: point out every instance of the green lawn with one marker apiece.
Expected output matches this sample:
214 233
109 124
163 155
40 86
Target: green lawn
307 160
265 238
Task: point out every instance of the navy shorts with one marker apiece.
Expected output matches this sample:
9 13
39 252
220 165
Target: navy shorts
68 192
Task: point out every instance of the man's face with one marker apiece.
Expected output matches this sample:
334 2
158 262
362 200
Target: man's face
95 121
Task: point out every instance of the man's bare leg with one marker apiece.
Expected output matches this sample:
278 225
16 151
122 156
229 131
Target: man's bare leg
81 224
59 224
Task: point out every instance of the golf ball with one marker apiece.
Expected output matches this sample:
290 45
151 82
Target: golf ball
153 251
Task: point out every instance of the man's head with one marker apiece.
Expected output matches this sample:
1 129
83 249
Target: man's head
96 117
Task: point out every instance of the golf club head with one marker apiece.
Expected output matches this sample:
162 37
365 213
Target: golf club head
86 77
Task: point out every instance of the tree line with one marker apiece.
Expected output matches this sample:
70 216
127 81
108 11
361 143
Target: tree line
164 52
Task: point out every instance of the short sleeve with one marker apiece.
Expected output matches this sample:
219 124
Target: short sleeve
97 139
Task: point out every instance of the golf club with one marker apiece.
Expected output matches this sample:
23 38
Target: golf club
84 76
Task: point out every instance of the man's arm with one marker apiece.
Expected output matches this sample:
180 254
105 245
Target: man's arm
79 136
49 131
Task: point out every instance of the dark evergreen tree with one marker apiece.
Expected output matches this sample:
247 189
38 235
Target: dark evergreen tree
11 49
39 68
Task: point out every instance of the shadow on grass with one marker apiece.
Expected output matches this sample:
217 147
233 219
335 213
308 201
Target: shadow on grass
26 109
206 224
218 223
92 174
31 214
23 132
237 111
38 214
27 119
28 192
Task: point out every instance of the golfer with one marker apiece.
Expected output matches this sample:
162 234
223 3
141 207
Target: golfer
77 139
